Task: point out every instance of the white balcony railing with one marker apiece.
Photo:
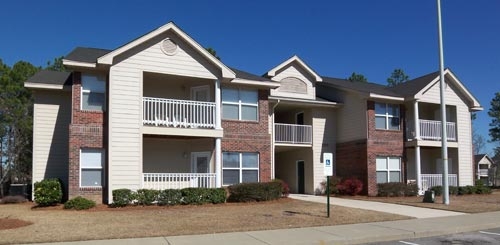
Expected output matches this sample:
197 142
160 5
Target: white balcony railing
431 130
292 133
162 181
430 180
483 172
178 113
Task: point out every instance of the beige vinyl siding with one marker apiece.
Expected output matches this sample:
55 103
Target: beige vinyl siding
173 155
125 102
185 62
464 133
351 118
287 91
323 122
51 119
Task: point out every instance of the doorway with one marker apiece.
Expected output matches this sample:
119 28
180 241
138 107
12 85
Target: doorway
299 118
200 162
300 177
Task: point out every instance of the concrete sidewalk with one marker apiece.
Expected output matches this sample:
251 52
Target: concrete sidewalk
410 211
340 234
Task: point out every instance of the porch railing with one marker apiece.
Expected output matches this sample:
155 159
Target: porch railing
178 113
292 133
431 130
431 180
162 181
483 172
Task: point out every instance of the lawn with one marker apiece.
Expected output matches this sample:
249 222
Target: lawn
55 224
460 203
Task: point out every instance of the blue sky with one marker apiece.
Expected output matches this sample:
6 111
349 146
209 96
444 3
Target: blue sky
335 38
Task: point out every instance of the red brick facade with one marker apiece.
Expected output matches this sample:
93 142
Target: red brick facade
245 136
358 158
86 131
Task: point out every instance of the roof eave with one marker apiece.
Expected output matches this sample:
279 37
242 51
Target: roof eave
385 97
73 63
46 86
255 83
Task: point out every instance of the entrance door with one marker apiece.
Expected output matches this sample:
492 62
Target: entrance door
200 93
200 164
300 177
299 118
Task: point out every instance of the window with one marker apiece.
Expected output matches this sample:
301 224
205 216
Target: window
240 104
388 169
93 93
239 167
91 170
386 116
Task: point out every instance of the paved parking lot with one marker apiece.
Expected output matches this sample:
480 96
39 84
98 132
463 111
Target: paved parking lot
491 236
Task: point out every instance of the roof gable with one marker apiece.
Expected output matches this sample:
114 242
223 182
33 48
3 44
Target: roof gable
453 81
301 63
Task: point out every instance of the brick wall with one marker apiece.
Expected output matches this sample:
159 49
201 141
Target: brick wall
245 136
351 158
85 131
382 143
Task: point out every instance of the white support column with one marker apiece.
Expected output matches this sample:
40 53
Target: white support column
417 120
218 163
218 103
417 147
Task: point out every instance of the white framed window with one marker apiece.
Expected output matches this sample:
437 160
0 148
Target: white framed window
93 95
240 104
240 167
388 169
91 167
387 116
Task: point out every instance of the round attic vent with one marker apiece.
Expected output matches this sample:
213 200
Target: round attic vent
169 47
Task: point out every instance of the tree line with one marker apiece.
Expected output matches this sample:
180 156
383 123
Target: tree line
16 121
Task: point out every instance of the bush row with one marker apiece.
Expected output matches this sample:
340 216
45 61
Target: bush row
338 186
397 189
462 190
256 192
145 197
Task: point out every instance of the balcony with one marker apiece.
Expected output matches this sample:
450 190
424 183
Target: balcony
431 130
292 134
178 113
162 181
430 180
482 172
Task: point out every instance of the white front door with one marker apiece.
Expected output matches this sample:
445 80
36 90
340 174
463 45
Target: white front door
200 162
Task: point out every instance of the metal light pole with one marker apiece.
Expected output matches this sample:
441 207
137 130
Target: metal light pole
444 136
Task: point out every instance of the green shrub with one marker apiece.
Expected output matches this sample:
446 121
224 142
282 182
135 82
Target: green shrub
397 189
79 203
169 197
453 190
466 190
193 196
48 192
216 195
251 192
351 186
122 197
146 196
438 190
483 189
334 181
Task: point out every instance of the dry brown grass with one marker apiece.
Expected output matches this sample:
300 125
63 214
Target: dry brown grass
55 224
462 203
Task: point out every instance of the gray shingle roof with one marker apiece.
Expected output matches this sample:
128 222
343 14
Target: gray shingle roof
51 77
89 55
358 86
249 76
413 86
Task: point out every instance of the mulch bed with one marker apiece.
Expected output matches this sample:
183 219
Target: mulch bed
6 223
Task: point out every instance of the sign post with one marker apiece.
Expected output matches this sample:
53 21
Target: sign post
328 171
